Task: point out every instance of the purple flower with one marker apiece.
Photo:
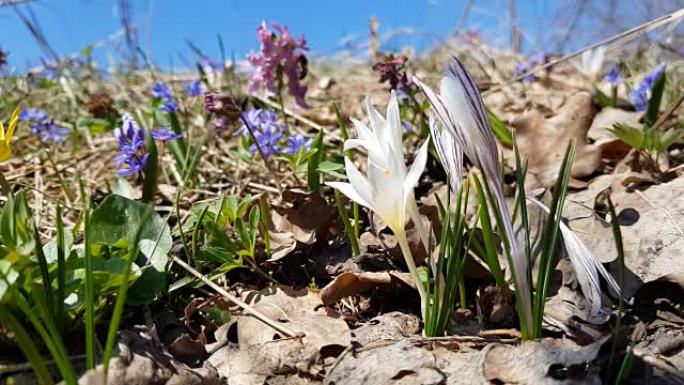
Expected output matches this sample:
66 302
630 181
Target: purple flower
133 154
165 135
194 88
267 140
259 120
393 70
297 143
33 115
49 131
640 95
43 126
538 58
279 54
613 76
163 92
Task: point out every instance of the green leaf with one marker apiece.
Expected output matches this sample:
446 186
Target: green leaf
602 99
115 222
313 174
502 132
653 109
9 276
150 170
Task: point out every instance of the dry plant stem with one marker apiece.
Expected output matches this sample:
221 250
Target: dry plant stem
268 164
621 38
666 115
287 332
410 262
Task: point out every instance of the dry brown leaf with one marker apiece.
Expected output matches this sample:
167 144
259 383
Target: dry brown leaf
653 237
543 141
347 284
262 353
300 219
543 362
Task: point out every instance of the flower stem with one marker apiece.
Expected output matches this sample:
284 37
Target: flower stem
410 262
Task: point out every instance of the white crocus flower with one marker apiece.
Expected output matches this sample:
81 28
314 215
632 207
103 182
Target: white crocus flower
387 190
460 109
449 152
591 61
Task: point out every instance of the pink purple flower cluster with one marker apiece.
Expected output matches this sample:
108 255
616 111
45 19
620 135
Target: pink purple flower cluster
280 54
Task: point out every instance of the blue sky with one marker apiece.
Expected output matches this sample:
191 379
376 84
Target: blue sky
165 25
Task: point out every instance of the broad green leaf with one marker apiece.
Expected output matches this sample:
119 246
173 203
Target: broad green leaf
115 222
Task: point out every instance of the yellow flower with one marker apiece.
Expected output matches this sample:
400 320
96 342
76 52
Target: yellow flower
6 137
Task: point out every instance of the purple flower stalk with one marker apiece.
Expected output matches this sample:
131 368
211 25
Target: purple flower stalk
194 88
297 143
133 153
163 92
393 71
164 134
640 95
279 54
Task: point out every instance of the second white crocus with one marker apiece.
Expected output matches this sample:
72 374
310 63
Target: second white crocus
387 189
460 109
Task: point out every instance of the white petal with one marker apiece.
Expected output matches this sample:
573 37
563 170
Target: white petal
416 169
351 144
376 120
351 193
360 183
395 129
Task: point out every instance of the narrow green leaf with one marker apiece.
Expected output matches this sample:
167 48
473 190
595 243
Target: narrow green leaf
150 171
27 346
654 102
313 173
502 132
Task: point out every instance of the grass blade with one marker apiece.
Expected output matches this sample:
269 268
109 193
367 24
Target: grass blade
347 224
89 281
26 345
61 269
133 251
550 238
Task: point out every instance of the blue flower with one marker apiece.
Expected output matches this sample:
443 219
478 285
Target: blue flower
49 131
613 76
33 115
259 119
194 88
297 143
268 141
168 105
534 60
163 92
44 127
165 135
133 154
640 95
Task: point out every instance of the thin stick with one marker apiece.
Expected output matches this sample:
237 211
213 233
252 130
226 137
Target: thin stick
666 115
626 35
287 332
